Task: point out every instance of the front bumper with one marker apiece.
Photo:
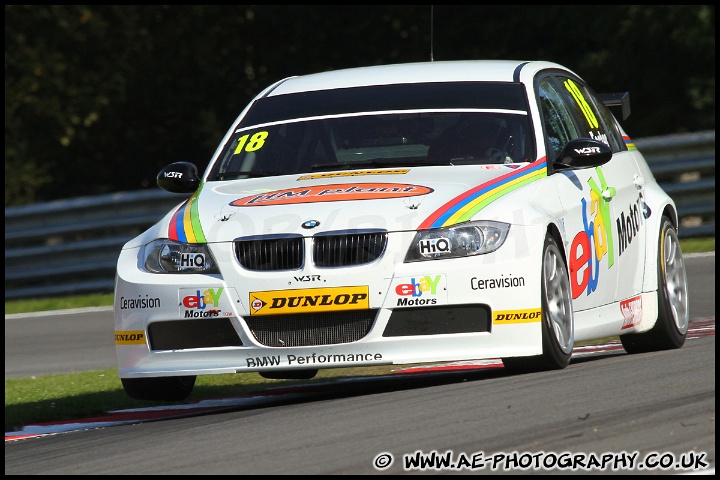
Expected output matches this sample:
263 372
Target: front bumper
384 313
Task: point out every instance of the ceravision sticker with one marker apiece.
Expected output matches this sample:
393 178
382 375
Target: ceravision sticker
333 193
307 300
517 316
354 173
129 337
420 290
139 303
497 282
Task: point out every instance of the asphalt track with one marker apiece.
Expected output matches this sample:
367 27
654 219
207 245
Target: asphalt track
605 402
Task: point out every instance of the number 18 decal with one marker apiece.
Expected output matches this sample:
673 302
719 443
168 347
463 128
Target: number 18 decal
256 142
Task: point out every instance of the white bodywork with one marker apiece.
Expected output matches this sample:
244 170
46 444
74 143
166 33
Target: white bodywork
614 292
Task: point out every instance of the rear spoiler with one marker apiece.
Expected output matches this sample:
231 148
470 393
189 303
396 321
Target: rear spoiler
621 99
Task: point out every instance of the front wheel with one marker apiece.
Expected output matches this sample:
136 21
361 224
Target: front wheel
162 389
558 334
673 319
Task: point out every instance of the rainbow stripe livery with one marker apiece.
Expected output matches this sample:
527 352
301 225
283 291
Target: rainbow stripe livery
629 143
463 207
185 222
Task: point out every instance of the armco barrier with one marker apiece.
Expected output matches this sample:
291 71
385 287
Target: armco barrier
71 246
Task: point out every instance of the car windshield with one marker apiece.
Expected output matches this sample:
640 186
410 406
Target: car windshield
383 127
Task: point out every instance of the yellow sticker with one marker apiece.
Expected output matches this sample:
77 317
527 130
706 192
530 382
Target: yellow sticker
129 337
577 95
274 302
517 316
354 173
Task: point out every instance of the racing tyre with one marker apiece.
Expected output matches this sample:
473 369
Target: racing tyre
558 334
164 389
673 319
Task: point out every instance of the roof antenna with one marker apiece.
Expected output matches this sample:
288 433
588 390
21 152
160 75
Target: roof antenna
431 32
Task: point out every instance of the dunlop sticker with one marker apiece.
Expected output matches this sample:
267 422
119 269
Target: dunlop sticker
129 337
517 316
274 302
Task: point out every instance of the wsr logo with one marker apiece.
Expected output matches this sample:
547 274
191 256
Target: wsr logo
587 150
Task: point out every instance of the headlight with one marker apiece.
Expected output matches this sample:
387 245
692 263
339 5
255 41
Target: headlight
168 256
464 240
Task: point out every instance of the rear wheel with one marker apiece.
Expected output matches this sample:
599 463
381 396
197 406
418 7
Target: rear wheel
164 389
558 335
673 319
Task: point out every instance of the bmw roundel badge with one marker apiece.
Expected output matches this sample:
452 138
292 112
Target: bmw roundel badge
311 224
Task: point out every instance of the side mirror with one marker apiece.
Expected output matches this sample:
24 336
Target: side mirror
583 153
179 177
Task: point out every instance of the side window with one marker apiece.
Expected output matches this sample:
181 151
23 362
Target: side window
595 119
557 121
614 134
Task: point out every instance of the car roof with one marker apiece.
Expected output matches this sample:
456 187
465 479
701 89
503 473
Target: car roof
440 71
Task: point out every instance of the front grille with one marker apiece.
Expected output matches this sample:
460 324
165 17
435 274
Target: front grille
270 252
351 248
330 249
309 329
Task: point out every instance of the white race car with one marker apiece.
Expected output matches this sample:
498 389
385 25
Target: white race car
402 214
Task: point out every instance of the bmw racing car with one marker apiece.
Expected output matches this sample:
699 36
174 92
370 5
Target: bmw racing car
404 214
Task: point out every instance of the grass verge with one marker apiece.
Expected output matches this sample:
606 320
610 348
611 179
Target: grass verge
60 397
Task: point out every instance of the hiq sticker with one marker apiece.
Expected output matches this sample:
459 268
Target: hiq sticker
434 245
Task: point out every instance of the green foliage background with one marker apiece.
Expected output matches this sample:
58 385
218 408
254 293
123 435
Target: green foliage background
98 98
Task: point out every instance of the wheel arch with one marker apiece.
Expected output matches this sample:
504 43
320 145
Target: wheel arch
554 231
654 224
652 246
556 350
